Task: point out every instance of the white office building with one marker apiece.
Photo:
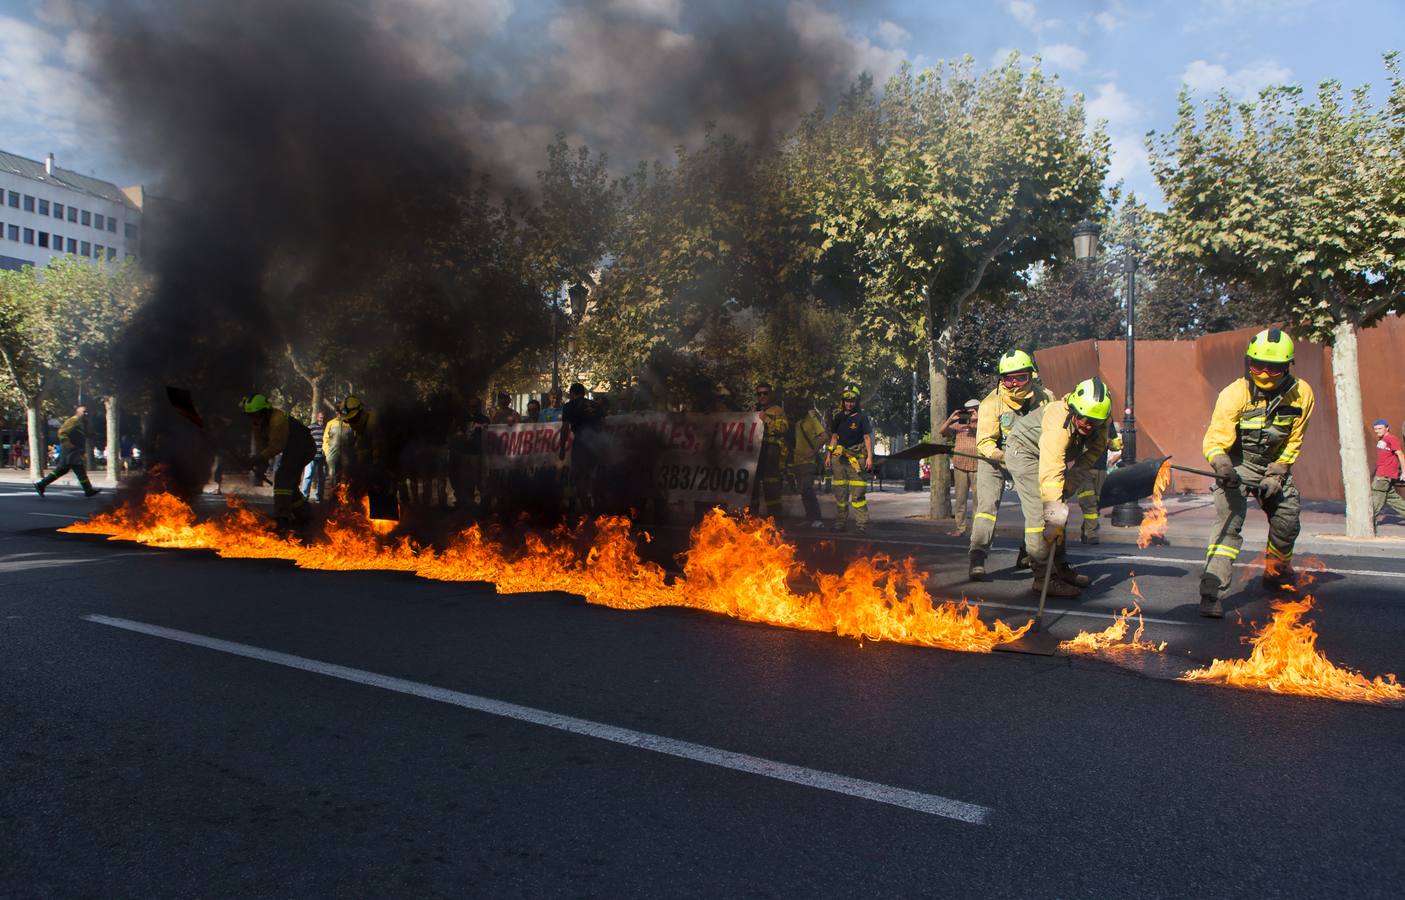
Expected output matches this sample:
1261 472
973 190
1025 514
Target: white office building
47 211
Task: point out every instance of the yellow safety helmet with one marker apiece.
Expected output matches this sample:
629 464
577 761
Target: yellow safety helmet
1272 345
1015 361
255 403
850 392
350 407
1091 400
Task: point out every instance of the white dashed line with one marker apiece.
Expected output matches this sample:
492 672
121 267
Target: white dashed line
929 804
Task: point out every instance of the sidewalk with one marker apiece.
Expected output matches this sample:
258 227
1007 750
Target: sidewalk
898 514
1191 521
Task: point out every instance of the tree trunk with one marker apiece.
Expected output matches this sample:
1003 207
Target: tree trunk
38 446
114 442
316 396
940 507
1351 430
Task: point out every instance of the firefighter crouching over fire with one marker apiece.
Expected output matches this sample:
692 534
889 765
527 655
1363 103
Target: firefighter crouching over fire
279 435
1018 394
850 455
368 466
1052 457
1255 435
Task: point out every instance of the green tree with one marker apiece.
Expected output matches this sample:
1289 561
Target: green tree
90 305
1301 199
970 181
29 347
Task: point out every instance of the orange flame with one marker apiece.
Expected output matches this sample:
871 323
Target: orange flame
1285 660
1154 521
741 568
1113 639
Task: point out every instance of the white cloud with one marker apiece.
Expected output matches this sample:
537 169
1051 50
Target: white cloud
1112 106
43 99
1128 157
654 10
891 33
1208 77
1027 14
1107 21
1065 56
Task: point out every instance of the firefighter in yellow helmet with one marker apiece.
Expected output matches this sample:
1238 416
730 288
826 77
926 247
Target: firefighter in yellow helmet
1255 435
1017 394
771 465
850 457
1052 457
278 435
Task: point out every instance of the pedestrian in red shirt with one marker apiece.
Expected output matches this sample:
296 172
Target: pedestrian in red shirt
1390 461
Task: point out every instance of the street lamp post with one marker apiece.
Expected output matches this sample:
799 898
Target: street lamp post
1085 246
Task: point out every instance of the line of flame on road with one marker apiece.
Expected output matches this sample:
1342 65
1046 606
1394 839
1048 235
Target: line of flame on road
739 567
1154 521
1113 640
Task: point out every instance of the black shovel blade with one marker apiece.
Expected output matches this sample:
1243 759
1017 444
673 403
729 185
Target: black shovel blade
383 505
185 404
1040 643
921 451
1131 483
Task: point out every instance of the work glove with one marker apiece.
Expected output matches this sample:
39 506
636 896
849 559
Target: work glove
1225 474
997 457
1055 518
1272 482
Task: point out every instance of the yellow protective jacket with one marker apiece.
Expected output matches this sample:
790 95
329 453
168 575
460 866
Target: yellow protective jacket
809 438
336 437
775 423
271 437
1258 429
1062 448
72 435
370 440
998 413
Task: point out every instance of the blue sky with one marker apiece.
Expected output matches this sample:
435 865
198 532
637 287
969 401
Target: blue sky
1128 58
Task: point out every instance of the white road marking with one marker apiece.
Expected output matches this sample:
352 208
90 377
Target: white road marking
1196 563
930 804
72 517
1073 612
19 563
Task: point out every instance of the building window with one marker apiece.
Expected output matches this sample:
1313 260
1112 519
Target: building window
29 235
28 203
58 243
111 224
44 239
129 231
43 207
111 253
87 217
58 210
14 199
85 250
13 232
73 214
97 251
72 245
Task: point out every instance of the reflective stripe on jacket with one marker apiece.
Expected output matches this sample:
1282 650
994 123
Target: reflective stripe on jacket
1253 428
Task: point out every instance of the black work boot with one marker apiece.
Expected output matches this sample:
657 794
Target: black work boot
90 491
1210 606
1065 573
1057 588
39 488
1280 577
1022 560
977 570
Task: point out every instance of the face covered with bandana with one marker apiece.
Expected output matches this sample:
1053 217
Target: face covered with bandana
1018 386
1267 375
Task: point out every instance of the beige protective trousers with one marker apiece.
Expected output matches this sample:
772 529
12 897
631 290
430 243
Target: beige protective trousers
990 486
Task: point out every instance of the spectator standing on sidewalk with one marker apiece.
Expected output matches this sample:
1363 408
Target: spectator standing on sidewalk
961 425
1390 462
809 442
316 471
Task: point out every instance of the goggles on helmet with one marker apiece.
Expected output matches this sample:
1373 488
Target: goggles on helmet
1016 379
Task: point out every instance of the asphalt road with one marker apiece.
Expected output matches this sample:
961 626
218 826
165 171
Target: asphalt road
476 744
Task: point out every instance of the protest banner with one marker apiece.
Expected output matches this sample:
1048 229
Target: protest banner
697 457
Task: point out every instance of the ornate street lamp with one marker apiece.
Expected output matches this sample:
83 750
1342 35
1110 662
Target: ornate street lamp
1085 246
